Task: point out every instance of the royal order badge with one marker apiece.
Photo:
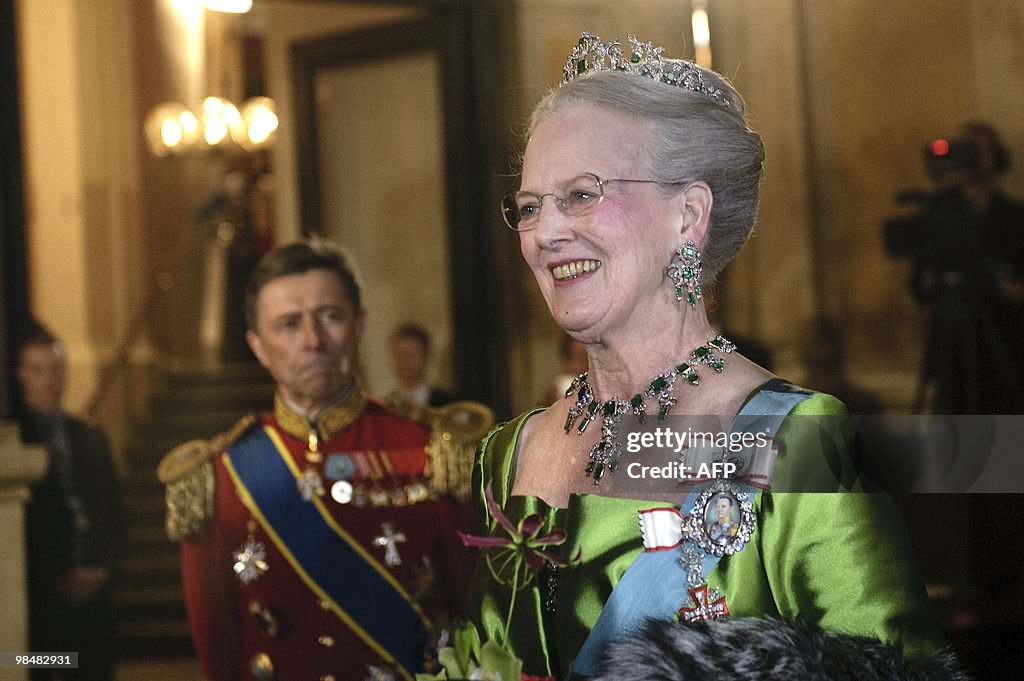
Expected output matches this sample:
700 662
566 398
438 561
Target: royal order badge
721 520
719 524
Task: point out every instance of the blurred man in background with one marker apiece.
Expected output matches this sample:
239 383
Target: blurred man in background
74 520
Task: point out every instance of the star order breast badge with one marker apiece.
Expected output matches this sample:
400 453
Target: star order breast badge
250 561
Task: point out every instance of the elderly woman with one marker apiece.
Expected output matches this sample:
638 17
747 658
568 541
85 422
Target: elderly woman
639 183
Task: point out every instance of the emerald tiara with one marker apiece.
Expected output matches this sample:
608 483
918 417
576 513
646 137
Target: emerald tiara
590 54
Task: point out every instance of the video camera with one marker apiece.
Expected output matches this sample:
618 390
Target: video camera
948 158
935 237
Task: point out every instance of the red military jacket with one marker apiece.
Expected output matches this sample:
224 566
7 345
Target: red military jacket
352 581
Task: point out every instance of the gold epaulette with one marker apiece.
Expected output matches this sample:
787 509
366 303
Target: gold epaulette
412 412
187 472
456 430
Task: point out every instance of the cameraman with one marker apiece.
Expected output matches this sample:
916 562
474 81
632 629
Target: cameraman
1001 216
967 244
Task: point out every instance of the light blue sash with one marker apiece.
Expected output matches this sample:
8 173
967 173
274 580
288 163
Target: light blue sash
655 586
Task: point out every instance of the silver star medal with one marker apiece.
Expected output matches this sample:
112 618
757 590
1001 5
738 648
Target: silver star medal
250 561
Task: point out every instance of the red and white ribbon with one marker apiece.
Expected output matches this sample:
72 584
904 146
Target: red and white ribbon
662 528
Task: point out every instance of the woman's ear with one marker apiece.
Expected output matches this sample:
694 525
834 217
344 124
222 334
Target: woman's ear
696 205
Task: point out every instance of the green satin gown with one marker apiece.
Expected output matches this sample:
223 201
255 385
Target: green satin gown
837 560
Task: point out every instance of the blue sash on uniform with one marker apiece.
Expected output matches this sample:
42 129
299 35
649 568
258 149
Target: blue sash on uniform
358 589
633 600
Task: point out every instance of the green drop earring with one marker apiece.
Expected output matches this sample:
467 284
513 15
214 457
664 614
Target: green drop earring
684 272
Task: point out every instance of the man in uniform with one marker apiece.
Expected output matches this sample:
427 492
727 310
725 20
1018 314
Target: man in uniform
318 541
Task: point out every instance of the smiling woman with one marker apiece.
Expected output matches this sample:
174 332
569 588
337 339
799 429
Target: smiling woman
621 264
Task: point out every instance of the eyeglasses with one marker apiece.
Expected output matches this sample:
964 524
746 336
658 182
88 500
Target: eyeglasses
578 196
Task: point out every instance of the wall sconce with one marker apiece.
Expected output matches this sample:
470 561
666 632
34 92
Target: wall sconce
172 130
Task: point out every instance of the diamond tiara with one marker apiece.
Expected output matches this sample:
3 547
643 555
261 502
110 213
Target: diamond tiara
590 55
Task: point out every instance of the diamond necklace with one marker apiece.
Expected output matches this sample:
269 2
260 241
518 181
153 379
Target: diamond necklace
605 455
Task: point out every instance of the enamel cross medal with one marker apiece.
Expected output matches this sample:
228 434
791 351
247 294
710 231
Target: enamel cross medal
704 607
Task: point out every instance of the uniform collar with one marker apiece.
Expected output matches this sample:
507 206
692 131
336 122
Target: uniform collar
331 421
419 395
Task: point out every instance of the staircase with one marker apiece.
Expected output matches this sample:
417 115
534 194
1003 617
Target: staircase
195 403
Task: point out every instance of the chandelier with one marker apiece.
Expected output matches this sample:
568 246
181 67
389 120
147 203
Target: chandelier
172 129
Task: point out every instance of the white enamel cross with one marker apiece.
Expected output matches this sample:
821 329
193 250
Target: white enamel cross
390 539
311 484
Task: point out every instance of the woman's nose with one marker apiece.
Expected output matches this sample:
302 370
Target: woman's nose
553 225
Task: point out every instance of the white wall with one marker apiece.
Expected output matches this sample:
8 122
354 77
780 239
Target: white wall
80 151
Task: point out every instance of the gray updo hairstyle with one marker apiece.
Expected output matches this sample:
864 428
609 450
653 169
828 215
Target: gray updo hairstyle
685 137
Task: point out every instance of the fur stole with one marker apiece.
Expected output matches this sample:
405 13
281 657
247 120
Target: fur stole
763 649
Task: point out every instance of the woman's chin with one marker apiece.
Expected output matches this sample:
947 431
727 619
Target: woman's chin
571 320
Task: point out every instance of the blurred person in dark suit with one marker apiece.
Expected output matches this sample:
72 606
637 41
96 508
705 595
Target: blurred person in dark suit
74 520
410 357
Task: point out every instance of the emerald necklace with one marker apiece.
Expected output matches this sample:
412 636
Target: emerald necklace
604 456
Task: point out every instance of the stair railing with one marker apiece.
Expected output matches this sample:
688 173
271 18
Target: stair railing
115 367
